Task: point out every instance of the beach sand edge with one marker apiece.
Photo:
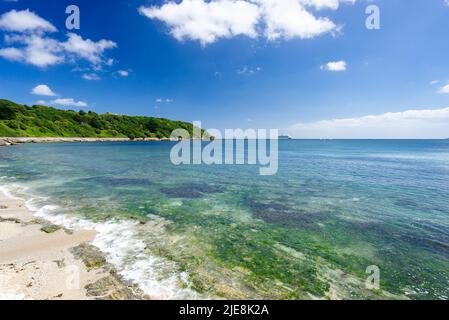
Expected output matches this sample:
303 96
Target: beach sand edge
41 261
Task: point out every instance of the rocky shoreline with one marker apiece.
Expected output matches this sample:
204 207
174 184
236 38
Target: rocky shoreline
8 141
43 261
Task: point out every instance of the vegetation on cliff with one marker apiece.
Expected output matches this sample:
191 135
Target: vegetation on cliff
40 121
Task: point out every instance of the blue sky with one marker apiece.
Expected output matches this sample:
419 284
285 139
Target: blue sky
247 63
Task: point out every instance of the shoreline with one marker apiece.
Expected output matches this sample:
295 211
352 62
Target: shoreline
43 261
8 141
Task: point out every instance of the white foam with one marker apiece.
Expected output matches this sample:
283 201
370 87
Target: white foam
156 276
119 241
7 191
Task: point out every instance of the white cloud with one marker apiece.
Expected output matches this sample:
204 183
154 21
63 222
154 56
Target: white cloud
208 21
410 124
445 89
334 66
321 4
43 90
69 102
123 73
28 43
42 51
12 54
24 21
290 19
91 77
87 49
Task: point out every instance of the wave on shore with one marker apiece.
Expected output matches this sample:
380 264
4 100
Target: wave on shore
119 241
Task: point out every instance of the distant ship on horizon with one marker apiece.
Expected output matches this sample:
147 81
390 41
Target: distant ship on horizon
285 137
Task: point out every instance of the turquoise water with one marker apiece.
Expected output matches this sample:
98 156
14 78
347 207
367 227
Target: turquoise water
333 209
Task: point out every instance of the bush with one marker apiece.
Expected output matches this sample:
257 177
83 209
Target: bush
7 113
13 124
17 120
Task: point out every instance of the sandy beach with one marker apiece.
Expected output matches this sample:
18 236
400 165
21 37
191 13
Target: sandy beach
42 261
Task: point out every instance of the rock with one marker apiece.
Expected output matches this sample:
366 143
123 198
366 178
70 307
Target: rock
4 143
50 228
15 220
90 255
110 288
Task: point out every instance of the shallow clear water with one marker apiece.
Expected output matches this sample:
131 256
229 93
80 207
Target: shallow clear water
333 209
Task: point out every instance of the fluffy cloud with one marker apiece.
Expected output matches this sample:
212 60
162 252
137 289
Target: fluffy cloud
43 90
321 4
410 124
445 89
43 51
87 49
12 54
289 19
334 66
36 50
24 21
207 21
28 43
69 102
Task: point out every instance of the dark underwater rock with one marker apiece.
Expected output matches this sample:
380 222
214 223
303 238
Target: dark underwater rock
110 181
281 214
191 191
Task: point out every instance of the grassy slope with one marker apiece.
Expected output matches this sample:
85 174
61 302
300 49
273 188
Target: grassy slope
40 121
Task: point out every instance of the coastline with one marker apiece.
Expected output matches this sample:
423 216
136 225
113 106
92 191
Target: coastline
42 261
7 141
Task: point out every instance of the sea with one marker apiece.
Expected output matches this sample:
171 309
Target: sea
341 219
